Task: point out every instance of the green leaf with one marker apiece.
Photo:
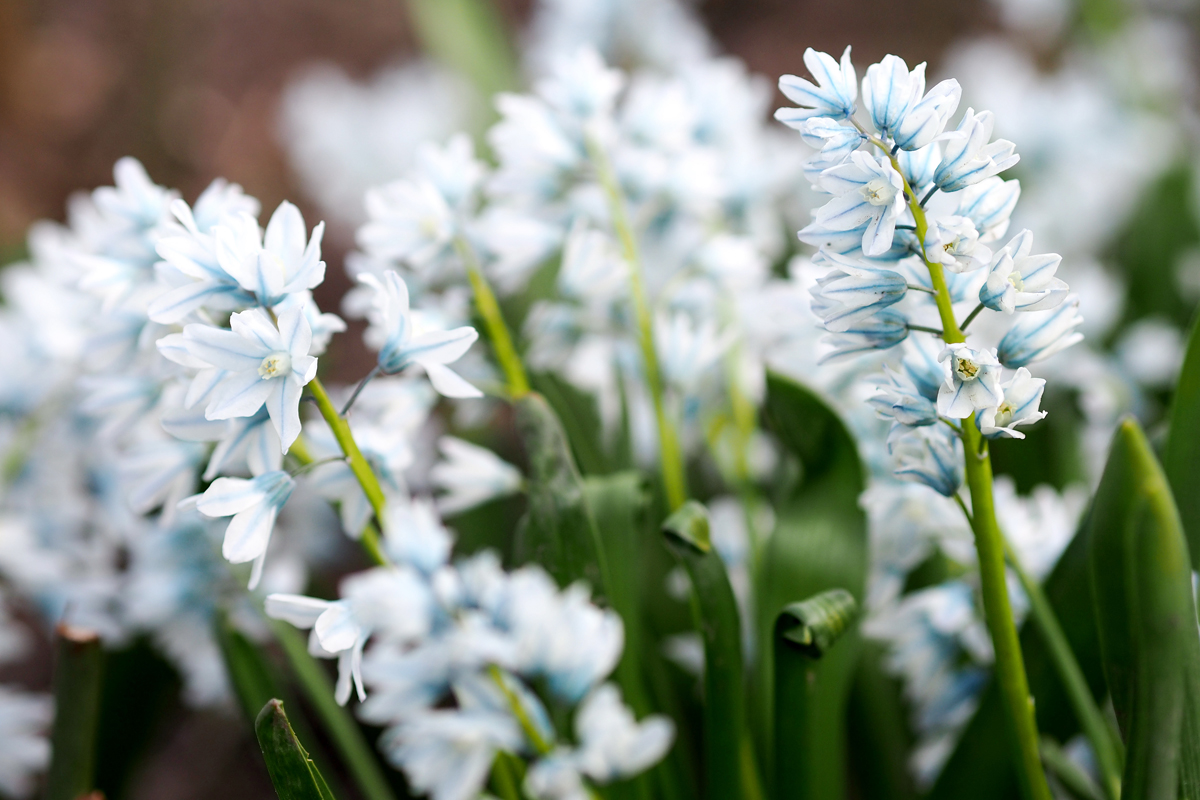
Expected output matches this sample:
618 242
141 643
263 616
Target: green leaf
338 724
804 633
1145 613
880 739
812 626
292 772
78 680
715 614
253 677
980 767
819 543
558 531
1071 776
580 419
1181 457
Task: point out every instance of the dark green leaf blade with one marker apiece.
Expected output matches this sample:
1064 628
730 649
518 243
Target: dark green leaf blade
1145 613
804 632
1181 456
292 772
819 543
558 531
715 612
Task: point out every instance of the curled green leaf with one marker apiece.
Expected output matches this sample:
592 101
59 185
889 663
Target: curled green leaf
689 525
812 626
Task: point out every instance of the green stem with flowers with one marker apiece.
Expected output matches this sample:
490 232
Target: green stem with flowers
673 474
989 541
493 320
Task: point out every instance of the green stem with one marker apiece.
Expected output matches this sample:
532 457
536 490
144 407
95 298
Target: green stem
504 777
989 544
347 737
78 680
673 475
489 309
971 317
1108 758
518 709
358 465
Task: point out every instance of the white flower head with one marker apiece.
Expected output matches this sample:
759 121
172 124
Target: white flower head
253 364
414 534
967 155
410 221
254 505
470 475
832 96
933 456
953 242
973 383
1019 281
1022 396
273 264
853 291
687 349
1041 334
867 191
928 117
889 92
405 345
396 601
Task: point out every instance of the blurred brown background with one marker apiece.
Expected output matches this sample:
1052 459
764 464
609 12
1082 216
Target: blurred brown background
192 87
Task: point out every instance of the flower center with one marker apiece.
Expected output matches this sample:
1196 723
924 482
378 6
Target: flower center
1014 278
879 192
1004 414
275 365
430 227
966 369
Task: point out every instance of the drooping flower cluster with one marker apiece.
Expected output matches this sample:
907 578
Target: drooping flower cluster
917 210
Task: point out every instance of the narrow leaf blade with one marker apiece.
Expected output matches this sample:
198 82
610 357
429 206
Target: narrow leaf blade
292 772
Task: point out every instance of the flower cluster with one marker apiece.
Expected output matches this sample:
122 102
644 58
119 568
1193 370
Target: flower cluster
471 633
188 340
911 232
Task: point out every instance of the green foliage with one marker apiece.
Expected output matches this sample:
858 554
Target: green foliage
1181 457
580 419
254 678
1148 251
1142 590
715 612
341 728
558 530
819 543
78 680
804 632
292 772
980 766
880 740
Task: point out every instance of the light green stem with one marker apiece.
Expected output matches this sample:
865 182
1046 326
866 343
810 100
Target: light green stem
1108 757
673 475
989 544
489 309
358 465
518 710
347 737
